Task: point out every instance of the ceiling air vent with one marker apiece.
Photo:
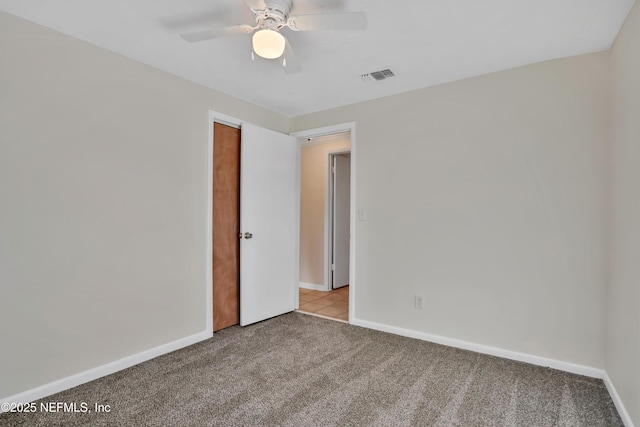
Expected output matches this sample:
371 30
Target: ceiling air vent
376 76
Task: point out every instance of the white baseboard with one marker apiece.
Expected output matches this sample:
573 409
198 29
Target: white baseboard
126 362
480 348
101 371
508 354
622 411
304 285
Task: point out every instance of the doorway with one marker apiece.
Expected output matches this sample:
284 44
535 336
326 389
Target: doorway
326 221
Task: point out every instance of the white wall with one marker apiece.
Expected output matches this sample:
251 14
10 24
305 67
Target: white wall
488 197
623 333
103 181
313 185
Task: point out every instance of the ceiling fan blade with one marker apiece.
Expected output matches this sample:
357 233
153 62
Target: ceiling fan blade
306 7
215 33
256 4
291 63
329 22
189 19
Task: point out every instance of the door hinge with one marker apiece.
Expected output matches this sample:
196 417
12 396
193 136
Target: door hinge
333 267
333 169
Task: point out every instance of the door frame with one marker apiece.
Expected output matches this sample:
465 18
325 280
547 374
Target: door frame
329 130
328 217
214 117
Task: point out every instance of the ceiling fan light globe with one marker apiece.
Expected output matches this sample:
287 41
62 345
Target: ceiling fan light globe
268 44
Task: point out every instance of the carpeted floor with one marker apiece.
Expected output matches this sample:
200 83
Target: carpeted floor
300 370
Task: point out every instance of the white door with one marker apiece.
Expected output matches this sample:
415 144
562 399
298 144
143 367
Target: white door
269 214
341 230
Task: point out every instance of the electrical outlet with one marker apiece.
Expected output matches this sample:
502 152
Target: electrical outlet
419 301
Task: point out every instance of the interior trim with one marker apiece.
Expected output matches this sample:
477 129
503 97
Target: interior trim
126 362
622 411
104 370
305 285
484 349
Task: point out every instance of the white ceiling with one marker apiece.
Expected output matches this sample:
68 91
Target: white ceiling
425 42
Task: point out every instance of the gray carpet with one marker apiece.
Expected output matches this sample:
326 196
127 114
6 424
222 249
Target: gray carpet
300 370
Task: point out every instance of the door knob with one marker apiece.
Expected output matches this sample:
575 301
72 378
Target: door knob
248 235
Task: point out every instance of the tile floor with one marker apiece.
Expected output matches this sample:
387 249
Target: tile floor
333 304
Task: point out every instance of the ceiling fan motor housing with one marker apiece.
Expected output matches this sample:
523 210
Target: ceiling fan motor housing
275 15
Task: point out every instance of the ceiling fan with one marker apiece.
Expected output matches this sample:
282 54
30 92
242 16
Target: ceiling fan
271 16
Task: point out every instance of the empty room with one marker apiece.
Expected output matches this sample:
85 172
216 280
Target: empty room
165 258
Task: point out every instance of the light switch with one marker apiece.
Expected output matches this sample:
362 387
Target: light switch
362 214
